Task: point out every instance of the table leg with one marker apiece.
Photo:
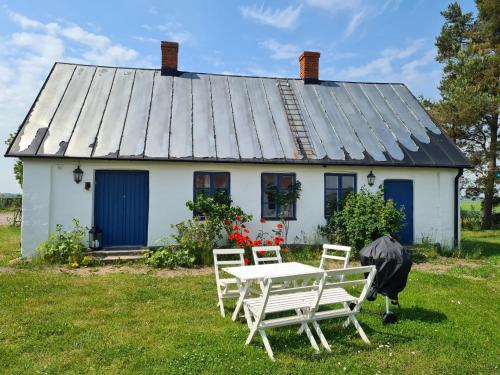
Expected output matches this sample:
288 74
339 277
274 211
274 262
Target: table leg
243 292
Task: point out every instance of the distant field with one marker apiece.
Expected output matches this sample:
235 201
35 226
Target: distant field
467 204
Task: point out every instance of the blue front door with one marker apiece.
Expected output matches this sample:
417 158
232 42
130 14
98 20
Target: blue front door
401 192
121 206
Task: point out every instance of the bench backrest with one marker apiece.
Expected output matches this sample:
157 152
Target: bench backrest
266 254
290 285
346 277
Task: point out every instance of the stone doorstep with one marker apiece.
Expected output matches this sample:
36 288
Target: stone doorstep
109 256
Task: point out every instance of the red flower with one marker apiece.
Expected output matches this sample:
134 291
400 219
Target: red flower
236 227
277 240
261 253
231 236
268 242
243 226
237 218
246 260
246 231
279 225
262 220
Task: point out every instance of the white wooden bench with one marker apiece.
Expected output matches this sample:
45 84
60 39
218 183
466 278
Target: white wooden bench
294 303
299 305
261 254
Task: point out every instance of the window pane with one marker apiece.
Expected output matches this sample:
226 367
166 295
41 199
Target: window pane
202 181
348 183
269 208
331 201
331 182
221 181
286 183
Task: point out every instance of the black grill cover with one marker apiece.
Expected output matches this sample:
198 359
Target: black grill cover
393 266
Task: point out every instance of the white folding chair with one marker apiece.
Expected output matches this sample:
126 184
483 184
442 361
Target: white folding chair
293 304
223 284
335 252
261 254
335 293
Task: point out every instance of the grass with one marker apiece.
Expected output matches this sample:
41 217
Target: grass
57 322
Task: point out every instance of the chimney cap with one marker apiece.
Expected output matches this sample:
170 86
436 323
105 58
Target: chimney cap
168 44
312 54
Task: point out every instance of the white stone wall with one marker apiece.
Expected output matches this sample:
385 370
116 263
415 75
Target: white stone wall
51 197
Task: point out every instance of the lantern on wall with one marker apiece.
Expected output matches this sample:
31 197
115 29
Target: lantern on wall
78 174
95 238
370 178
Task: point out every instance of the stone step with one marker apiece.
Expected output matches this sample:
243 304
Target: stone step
117 252
116 258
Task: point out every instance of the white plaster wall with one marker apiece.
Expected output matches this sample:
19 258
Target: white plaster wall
51 197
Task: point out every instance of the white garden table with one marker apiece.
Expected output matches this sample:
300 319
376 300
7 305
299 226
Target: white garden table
246 275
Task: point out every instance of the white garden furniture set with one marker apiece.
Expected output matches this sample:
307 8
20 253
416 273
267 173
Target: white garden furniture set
301 294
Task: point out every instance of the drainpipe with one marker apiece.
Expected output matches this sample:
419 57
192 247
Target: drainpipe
457 207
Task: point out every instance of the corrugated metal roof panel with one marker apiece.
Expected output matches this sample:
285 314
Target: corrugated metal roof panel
33 130
268 136
246 132
63 123
158 137
136 124
203 121
110 132
83 138
99 112
225 136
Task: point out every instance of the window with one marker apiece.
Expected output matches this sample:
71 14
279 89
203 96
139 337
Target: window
272 184
210 183
337 186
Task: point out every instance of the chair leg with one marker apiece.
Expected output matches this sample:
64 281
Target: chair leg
221 307
322 337
359 329
251 334
310 337
267 345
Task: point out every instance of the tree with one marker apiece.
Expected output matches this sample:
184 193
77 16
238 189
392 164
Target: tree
468 111
18 164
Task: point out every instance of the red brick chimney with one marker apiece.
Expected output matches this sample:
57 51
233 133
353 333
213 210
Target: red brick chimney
169 58
309 66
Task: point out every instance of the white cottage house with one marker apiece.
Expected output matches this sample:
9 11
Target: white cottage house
148 140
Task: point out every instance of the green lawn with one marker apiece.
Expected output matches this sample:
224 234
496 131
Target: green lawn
59 322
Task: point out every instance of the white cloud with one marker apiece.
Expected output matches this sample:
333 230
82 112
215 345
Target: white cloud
358 10
172 31
280 18
26 57
145 39
413 65
281 51
382 67
334 6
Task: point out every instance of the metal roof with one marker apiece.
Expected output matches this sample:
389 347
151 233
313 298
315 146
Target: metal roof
117 113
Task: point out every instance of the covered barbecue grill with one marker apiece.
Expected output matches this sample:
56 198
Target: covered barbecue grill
393 266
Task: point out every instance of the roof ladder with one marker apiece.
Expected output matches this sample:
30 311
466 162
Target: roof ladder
295 119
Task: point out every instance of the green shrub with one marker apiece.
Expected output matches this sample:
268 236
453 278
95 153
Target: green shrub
471 218
363 218
426 250
197 238
65 246
170 256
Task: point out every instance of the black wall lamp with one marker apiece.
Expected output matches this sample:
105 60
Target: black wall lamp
371 178
78 174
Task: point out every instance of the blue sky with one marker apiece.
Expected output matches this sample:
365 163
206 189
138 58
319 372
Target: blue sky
376 40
